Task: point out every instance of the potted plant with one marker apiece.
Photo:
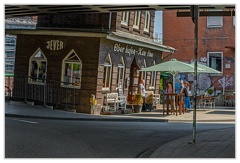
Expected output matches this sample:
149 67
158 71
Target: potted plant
137 102
210 91
149 102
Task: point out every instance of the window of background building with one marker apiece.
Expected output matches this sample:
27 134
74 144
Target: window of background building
107 73
120 75
125 16
215 60
37 67
214 21
10 48
137 18
72 70
147 21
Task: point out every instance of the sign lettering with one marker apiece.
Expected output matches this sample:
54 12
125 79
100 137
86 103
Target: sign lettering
131 51
54 45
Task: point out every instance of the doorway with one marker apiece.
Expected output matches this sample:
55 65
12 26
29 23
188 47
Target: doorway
135 77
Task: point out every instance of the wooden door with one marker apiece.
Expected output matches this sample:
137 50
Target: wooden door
135 77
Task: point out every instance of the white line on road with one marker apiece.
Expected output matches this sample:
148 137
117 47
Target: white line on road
25 121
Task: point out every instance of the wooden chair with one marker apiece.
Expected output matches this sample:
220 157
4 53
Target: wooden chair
208 101
200 101
227 100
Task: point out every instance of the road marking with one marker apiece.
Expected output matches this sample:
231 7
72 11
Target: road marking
25 121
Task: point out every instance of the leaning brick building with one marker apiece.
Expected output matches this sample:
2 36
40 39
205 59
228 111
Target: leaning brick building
67 59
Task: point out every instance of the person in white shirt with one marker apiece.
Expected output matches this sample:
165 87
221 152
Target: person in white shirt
142 91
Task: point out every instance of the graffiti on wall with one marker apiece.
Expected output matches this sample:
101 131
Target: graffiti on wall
229 60
203 59
226 81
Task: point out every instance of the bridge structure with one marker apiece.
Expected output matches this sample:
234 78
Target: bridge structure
12 10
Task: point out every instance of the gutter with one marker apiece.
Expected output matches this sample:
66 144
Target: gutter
136 40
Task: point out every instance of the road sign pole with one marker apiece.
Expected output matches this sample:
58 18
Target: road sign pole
195 15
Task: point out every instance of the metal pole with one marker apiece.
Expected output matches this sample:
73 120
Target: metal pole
195 18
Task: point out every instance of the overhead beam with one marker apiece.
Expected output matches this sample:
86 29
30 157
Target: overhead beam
206 13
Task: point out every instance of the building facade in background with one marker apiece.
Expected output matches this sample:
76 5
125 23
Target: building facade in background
10 40
216 48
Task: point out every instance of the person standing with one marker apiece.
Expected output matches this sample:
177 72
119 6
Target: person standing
142 91
187 101
169 90
180 95
181 86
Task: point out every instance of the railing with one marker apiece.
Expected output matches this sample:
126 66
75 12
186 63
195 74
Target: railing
48 92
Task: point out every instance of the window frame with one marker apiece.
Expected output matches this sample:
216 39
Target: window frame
211 25
147 21
137 19
30 65
107 66
144 73
120 76
208 61
67 60
152 83
125 18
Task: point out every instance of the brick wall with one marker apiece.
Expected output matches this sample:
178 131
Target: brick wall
81 21
86 48
130 28
97 22
178 32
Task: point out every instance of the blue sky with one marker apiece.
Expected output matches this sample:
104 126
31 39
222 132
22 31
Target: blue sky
158 22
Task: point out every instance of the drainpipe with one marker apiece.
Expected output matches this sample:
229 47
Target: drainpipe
110 22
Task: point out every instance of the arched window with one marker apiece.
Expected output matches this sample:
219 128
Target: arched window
107 73
144 74
153 78
37 67
72 70
120 75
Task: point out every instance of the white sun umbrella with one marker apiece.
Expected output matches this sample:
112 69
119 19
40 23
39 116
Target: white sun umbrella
174 67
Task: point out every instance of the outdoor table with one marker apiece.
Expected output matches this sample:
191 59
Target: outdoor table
175 102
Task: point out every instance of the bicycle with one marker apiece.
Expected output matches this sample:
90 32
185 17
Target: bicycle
7 93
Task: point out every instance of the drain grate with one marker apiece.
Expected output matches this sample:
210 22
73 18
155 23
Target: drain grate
210 141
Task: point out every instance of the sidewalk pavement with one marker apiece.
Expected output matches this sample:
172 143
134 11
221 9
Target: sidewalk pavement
211 144
216 143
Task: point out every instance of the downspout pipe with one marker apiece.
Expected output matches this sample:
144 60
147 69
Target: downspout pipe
110 22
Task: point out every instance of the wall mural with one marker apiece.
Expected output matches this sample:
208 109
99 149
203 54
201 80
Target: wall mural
203 59
229 59
177 81
204 82
226 81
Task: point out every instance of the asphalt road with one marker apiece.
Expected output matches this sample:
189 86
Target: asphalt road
41 138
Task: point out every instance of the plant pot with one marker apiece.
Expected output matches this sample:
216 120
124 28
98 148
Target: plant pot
149 106
137 108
